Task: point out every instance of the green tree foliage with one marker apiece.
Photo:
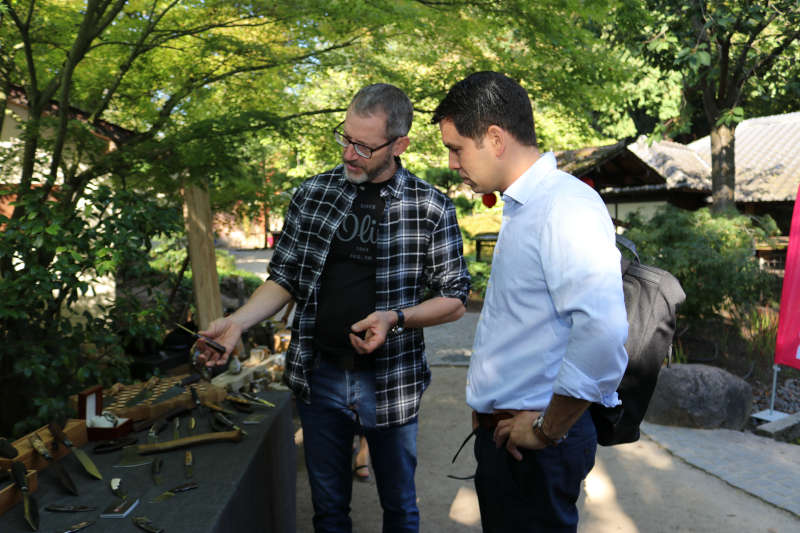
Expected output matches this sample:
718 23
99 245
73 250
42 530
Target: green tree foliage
712 257
731 56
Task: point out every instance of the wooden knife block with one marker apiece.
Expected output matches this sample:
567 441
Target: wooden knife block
10 495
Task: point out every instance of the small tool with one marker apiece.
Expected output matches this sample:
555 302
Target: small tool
117 489
142 522
188 458
155 470
177 389
174 490
76 527
217 347
83 459
254 398
63 476
144 393
55 508
226 422
29 505
109 446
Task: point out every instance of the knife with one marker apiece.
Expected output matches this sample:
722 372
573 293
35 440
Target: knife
30 507
144 449
146 392
188 458
177 389
155 470
63 475
76 527
211 344
56 508
142 522
173 491
176 431
83 459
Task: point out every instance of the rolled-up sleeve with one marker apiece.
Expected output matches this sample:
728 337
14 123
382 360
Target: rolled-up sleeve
582 271
446 270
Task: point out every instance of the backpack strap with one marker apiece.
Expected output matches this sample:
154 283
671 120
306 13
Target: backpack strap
630 246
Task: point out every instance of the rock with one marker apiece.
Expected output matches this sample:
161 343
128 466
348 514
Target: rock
700 396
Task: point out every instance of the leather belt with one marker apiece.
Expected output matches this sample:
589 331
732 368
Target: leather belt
490 420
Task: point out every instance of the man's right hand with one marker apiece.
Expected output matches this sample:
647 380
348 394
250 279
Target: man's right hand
224 331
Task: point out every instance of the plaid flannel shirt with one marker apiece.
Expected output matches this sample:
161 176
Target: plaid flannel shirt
419 255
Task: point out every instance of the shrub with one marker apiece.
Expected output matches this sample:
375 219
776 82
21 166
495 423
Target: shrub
712 257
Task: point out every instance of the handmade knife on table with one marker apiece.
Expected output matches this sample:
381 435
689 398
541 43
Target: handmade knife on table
177 389
30 507
83 459
63 476
145 393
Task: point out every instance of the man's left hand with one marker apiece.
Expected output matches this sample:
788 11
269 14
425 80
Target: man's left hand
375 328
517 432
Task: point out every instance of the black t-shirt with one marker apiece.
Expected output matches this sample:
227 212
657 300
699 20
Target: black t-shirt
347 284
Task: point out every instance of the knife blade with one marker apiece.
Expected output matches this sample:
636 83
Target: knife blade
76 527
142 522
87 464
174 490
144 393
176 431
63 476
30 507
211 344
56 508
177 389
188 458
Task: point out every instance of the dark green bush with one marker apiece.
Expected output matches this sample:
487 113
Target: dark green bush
712 257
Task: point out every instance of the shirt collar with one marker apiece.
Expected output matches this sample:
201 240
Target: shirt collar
523 187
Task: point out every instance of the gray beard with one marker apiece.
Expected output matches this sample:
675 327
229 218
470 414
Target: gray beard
370 175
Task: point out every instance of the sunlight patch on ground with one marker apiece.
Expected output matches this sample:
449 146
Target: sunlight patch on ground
601 507
298 437
464 509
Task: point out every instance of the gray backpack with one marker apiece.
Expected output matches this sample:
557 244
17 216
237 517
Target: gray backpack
651 297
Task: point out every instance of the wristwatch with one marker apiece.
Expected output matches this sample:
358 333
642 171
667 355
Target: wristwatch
538 430
401 320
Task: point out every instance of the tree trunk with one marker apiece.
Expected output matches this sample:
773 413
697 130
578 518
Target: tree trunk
723 169
197 216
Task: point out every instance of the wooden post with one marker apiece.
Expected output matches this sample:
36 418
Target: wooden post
197 217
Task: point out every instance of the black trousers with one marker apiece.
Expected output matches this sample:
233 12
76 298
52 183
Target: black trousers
538 493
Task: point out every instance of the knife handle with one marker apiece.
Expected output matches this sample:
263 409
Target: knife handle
38 444
20 475
7 449
58 433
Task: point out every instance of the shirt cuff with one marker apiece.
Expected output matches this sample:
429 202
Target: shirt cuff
574 383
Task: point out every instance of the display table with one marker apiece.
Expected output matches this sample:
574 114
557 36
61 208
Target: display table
245 486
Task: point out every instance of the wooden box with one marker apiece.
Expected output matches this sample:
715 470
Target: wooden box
90 403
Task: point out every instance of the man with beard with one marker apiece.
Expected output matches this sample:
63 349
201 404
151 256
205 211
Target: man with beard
550 339
371 254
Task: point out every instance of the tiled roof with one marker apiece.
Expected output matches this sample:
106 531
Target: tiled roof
767 160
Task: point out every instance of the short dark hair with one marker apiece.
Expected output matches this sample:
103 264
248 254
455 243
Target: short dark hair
486 98
389 99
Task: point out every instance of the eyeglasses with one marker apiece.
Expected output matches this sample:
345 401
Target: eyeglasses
361 149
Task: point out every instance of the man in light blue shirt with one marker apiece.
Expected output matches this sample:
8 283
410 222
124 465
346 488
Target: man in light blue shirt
550 339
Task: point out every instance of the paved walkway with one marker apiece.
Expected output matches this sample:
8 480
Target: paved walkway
762 467
721 479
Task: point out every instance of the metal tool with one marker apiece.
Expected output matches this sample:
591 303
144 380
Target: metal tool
226 422
144 393
63 476
176 428
155 470
76 527
254 398
142 522
174 490
131 458
83 459
30 507
188 458
117 488
109 446
217 347
55 508
177 389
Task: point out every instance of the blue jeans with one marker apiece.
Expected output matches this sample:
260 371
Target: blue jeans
538 493
341 401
